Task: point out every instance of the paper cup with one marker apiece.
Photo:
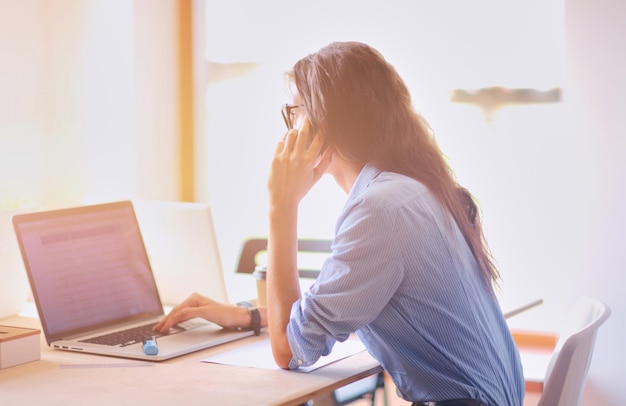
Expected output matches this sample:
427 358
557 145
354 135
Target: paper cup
259 274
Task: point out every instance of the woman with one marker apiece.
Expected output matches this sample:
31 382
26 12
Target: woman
410 271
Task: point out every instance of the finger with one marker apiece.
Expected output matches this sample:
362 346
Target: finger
304 135
172 320
280 146
192 301
165 321
163 325
290 140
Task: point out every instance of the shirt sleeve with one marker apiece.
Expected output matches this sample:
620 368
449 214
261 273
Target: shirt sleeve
354 284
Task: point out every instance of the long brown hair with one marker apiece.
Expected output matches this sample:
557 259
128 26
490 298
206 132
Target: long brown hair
363 107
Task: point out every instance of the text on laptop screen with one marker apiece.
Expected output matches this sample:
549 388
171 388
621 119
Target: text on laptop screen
89 267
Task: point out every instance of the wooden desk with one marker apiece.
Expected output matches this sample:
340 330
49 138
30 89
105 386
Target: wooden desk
67 378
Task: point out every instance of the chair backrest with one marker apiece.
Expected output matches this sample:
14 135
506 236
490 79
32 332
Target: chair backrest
567 371
252 247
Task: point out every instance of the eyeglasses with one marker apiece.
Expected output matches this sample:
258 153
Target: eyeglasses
289 115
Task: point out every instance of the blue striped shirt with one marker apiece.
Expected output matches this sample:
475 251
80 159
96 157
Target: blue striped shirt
403 278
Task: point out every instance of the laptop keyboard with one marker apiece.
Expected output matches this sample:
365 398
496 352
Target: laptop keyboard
137 334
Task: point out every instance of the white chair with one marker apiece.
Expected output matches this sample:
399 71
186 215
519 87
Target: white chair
568 367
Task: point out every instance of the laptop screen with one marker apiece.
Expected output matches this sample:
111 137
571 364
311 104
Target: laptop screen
87 266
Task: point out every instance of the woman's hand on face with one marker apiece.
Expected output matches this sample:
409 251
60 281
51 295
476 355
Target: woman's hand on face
196 305
296 166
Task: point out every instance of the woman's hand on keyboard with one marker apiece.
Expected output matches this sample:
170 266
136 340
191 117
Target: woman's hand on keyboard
196 305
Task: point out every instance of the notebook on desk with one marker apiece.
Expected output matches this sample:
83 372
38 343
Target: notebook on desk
91 279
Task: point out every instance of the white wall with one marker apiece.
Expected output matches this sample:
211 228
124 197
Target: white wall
88 107
597 62
584 235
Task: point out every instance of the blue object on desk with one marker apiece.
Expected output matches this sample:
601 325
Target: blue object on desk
150 346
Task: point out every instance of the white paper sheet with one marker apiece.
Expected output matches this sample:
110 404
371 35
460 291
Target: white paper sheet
259 355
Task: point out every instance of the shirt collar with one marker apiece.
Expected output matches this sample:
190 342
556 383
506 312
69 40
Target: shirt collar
367 175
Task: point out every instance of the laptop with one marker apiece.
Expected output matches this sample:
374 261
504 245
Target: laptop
91 279
182 248
13 281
